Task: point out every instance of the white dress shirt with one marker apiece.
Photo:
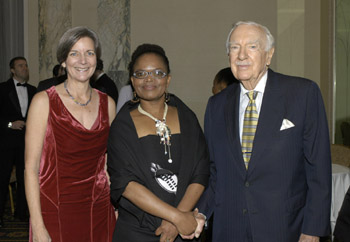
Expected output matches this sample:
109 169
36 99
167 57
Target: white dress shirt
244 100
22 95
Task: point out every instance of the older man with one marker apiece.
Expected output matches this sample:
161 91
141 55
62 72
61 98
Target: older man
269 147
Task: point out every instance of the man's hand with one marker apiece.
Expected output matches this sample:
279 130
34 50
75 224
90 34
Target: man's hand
200 218
18 124
308 238
186 223
167 232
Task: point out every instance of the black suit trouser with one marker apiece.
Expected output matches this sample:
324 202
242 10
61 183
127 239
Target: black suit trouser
13 155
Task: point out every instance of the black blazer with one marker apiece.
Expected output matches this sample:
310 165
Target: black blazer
106 85
53 81
10 110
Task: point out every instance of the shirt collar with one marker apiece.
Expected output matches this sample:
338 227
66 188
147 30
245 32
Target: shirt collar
15 81
260 87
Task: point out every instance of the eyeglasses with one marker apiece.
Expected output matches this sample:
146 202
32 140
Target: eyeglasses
158 74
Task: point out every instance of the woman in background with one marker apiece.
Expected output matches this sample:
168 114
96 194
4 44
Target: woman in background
66 140
157 156
223 79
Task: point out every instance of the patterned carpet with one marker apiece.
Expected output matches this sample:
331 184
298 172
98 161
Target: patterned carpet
14 230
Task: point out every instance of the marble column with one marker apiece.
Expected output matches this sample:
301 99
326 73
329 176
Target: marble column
54 19
113 21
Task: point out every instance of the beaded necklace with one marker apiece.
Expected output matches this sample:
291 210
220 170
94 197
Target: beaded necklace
163 130
76 101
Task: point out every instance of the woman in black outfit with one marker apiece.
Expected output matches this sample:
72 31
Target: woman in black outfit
157 157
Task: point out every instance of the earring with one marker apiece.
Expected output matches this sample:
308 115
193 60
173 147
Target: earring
135 99
167 96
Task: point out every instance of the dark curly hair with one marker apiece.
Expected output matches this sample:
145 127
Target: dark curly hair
225 75
145 49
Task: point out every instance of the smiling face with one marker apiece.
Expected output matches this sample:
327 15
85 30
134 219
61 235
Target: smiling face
81 60
150 88
248 56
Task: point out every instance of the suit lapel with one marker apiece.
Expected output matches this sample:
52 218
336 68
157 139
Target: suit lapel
13 96
271 114
232 125
31 92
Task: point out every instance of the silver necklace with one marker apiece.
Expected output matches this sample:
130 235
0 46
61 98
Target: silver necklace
162 129
75 100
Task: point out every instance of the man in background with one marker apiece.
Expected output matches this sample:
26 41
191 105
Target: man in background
15 97
102 82
59 76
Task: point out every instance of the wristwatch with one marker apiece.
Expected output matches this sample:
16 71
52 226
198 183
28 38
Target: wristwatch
9 125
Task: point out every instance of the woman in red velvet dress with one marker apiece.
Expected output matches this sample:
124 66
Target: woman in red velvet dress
66 138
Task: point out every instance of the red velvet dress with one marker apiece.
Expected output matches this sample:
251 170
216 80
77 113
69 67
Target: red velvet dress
74 189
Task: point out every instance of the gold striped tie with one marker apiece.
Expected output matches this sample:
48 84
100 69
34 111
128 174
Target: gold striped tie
250 123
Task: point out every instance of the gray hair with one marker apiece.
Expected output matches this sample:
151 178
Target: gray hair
270 41
72 36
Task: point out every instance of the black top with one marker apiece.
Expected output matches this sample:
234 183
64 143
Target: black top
130 158
165 174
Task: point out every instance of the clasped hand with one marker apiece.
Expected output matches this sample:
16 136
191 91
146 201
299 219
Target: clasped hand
187 224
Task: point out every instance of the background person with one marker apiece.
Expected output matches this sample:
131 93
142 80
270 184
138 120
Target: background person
125 95
66 183
269 146
102 82
15 97
58 70
223 79
59 76
157 156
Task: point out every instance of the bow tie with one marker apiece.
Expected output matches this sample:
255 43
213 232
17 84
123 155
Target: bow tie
21 85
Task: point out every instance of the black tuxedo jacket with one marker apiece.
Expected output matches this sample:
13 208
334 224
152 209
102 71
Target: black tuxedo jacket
53 81
10 110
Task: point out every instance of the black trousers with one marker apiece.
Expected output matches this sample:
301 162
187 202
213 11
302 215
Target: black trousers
13 155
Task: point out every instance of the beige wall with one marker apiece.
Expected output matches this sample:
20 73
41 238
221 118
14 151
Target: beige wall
342 80
327 63
193 33
84 13
31 35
